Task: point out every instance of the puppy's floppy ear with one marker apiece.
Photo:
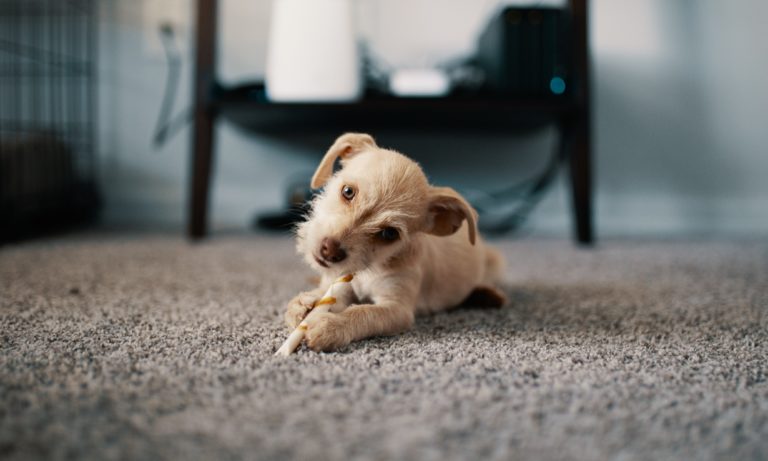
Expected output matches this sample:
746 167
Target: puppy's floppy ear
447 210
345 146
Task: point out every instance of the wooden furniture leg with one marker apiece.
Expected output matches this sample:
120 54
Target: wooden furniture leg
577 143
204 119
578 128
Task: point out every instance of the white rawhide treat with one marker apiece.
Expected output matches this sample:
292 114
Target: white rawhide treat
323 305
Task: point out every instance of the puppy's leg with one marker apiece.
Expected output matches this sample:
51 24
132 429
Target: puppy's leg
333 331
391 312
299 306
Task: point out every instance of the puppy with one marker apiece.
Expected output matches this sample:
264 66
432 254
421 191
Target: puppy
414 248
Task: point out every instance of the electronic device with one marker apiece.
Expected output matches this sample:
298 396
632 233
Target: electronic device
425 82
524 52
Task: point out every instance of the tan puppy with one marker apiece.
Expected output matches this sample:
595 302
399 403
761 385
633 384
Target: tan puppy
413 248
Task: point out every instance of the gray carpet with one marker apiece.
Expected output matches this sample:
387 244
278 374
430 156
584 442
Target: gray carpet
148 348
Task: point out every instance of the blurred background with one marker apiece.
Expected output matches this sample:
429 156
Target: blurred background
679 110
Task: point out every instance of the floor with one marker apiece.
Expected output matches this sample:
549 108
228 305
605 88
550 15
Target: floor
147 347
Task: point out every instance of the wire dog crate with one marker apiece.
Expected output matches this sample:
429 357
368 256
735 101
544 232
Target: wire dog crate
47 115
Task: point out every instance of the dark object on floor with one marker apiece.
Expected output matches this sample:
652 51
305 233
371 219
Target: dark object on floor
298 205
40 189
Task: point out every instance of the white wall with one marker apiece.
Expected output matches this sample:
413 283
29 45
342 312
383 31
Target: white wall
681 109
681 139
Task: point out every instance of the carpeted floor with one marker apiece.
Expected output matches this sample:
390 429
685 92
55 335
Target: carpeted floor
147 347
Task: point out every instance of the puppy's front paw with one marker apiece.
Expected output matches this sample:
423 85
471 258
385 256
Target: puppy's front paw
298 308
327 332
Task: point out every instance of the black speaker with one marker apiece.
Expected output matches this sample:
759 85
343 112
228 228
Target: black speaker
524 52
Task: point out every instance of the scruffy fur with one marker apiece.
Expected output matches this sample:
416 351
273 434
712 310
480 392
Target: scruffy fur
437 260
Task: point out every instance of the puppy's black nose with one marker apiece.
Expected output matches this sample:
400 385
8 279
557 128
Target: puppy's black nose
331 250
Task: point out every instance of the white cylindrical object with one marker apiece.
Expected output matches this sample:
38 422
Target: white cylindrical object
312 53
323 305
297 335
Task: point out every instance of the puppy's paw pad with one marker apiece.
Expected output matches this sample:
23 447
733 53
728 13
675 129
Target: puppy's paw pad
486 296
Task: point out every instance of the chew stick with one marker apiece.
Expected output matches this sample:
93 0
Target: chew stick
324 304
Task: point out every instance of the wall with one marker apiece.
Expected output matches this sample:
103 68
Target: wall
679 122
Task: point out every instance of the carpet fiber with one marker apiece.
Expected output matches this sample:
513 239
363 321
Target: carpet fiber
146 347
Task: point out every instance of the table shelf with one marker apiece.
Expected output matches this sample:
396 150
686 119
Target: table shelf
247 106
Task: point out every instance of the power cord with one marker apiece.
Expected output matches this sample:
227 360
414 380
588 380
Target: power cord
166 126
528 193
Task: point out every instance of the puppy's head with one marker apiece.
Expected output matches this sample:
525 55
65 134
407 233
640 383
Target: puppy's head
371 208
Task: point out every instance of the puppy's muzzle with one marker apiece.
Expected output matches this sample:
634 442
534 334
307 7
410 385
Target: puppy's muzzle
331 251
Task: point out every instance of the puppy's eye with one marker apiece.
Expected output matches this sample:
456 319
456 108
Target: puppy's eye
388 234
348 192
